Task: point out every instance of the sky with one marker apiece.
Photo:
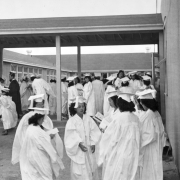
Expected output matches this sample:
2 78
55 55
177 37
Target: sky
13 9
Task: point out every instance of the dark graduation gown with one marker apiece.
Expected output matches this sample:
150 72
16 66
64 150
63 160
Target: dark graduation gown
14 92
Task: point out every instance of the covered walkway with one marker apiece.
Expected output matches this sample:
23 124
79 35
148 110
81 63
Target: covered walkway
83 31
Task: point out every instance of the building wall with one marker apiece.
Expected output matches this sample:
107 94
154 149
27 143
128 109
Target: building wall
170 10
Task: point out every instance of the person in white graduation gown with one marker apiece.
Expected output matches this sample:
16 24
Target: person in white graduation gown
118 80
119 146
8 111
52 98
78 86
98 88
112 98
23 126
25 92
81 136
152 138
147 85
110 87
38 158
72 91
135 82
89 96
64 97
40 86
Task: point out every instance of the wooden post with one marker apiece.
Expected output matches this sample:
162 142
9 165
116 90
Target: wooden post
153 70
79 61
1 62
162 75
58 77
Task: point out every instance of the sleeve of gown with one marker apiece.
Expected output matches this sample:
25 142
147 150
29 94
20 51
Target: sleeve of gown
148 134
107 142
87 92
48 88
45 144
95 133
71 139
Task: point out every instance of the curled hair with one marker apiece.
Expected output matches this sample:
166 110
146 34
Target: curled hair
121 71
32 78
34 119
114 99
123 105
72 110
147 83
78 80
124 84
71 84
89 78
151 104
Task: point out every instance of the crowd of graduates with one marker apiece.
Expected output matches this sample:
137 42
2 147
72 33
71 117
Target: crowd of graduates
112 123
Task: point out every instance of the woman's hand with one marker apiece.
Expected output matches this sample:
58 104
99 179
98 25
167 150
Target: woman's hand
82 147
92 148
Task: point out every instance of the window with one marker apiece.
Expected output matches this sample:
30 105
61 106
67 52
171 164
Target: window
40 71
25 71
19 73
36 71
14 69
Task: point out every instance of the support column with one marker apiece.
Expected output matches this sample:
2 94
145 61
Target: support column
1 62
79 61
162 75
58 76
153 70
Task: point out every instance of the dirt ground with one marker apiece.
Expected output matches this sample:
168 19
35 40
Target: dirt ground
12 172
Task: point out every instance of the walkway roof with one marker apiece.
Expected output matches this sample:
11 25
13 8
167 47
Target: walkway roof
83 31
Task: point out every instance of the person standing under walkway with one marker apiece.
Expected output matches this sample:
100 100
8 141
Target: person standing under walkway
98 88
14 92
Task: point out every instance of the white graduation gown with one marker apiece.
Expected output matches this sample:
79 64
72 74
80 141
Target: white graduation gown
40 86
72 93
8 112
64 94
77 130
106 107
52 99
38 158
118 82
152 143
98 88
136 85
119 148
21 132
109 118
90 99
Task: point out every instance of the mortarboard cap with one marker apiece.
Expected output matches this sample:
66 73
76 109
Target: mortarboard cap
125 95
146 94
132 73
87 74
146 78
112 93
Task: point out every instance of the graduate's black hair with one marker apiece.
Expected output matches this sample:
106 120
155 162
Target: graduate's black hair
139 105
78 80
147 83
125 84
32 78
114 99
151 104
88 78
121 71
71 84
136 77
5 93
123 105
34 119
72 110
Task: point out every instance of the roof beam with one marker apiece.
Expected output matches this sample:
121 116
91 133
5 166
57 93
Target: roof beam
101 37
